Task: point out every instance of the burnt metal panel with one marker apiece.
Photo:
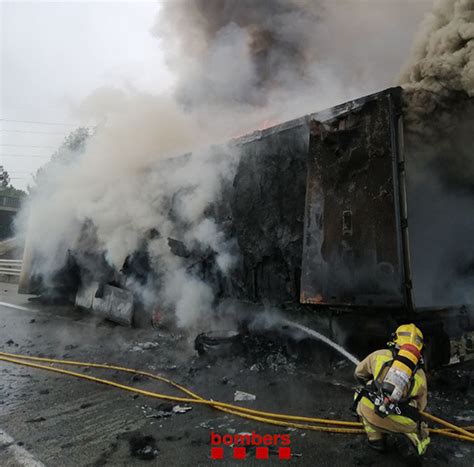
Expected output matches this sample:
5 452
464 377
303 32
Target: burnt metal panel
267 211
115 304
353 243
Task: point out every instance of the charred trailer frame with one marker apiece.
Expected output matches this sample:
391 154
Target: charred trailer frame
319 210
319 207
322 217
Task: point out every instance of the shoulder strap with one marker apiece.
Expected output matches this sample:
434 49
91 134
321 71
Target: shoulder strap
377 382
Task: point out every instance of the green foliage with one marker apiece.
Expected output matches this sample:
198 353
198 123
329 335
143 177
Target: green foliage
12 191
6 188
73 145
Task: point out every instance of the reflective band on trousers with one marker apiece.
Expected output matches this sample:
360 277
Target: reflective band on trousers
396 418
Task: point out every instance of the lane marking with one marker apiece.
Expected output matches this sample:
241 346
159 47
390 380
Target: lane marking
19 453
18 307
42 313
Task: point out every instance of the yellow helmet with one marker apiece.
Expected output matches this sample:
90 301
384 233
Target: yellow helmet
408 334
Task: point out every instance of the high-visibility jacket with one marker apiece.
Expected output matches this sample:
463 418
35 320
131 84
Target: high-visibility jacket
370 368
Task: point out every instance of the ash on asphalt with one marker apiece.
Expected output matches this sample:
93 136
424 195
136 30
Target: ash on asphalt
82 423
143 447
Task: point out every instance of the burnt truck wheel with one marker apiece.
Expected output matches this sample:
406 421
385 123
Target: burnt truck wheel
217 343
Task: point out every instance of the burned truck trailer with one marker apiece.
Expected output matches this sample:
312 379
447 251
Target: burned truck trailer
321 210
323 213
329 212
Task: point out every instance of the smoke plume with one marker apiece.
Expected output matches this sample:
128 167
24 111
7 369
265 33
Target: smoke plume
441 69
132 198
269 61
228 51
439 81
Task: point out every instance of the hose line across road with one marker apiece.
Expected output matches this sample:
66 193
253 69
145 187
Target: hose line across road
293 421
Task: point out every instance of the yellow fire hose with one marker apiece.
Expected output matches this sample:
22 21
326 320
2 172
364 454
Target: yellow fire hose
335 426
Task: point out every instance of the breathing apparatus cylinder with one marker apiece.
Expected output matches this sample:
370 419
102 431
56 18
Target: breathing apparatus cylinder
396 382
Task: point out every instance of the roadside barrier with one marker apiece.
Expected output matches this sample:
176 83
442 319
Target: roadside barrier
10 267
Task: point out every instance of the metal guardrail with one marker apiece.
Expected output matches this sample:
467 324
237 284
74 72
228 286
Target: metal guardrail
10 267
10 202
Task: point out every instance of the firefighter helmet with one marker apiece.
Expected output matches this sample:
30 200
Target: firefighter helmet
408 334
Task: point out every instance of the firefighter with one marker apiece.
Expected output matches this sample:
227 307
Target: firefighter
394 391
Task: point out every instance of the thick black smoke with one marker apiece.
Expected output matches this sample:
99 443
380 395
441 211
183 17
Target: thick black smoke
439 90
237 64
438 86
236 51
244 64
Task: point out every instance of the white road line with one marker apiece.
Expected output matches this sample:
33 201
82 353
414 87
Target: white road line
41 313
18 307
20 454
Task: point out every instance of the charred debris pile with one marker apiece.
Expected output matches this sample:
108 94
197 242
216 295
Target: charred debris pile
331 211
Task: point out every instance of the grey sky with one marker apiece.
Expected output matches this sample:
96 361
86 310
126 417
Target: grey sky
53 54
56 53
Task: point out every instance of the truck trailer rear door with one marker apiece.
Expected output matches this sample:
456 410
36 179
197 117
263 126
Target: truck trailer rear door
354 249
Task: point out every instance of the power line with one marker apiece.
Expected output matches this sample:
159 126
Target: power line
23 155
29 146
30 107
37 122
36 132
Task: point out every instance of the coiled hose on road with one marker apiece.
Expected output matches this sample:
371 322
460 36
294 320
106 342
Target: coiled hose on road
310 423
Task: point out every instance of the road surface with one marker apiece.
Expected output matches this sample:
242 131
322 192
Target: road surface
53 420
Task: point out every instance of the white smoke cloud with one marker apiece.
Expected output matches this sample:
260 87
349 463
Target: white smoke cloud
238 64
438 82
441 68
247 62
122 185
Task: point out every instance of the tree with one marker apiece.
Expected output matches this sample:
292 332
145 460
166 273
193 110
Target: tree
4 177
73 146
12 191
6 188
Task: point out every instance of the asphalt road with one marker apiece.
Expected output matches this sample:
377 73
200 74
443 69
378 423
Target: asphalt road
53 420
